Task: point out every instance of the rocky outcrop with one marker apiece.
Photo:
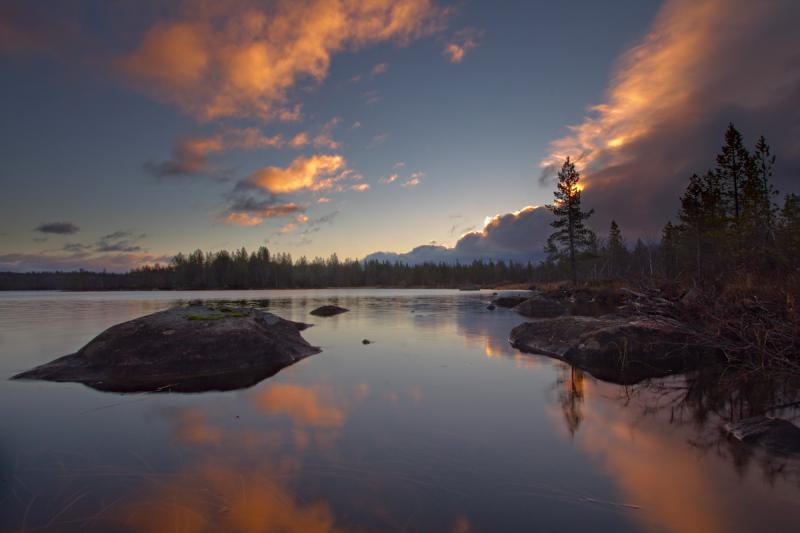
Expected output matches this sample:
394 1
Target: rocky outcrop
328 310
538 307
775 435
621 350
509 301
185 349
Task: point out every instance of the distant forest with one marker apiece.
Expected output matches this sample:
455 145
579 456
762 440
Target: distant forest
729 227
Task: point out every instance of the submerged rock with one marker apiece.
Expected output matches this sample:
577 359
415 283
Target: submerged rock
614 349
491 307
538 307
509 301
328 310
186 349
776 435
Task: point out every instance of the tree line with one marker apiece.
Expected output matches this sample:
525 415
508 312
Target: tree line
263 270
728 225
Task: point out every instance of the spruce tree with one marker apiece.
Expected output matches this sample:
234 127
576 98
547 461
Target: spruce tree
571 236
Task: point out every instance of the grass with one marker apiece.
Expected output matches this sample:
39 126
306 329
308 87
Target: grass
223 314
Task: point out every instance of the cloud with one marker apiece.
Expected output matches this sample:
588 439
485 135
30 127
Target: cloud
242 59
58 228
360 187
190 154
701 64
323 200
371 97
249 211
378 140
300 140
391 179
380 68
414 180
461 42
325 137
518 236
315 173
119 241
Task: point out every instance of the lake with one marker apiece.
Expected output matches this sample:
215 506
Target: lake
438 425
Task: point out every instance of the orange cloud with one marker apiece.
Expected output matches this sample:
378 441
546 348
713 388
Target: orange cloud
232 59
310 406
461 43
299 140
249 212
316 172
360 187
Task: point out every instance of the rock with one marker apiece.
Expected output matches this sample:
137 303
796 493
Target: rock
620 350
491 307
328 310
776 435
185 349
555 336
538 307
366 341
509 301
632 350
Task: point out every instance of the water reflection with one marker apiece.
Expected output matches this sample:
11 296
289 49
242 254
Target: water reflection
662 443
438 426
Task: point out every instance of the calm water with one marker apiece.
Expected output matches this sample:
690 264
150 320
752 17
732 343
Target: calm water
438 426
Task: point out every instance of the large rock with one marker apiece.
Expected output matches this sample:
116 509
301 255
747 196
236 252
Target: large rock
538 307
556 336
328 310
185 349
614 349
773 434
509 301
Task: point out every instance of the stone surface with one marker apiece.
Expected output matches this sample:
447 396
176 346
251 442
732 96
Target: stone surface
187 349
538 307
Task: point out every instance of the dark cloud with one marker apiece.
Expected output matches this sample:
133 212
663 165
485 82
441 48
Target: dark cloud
58 228
702 65
247 210
314 225
518 236
119 241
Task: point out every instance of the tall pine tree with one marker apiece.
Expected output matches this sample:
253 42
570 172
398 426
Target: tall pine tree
571 236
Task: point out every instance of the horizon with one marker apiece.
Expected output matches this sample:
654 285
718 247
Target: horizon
141 131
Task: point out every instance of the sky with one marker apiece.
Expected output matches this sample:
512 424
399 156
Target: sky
133 130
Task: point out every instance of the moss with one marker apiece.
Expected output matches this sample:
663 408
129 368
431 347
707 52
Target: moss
225 314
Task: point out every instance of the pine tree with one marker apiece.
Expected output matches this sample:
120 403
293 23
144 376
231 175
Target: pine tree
703 222
789 232
616 251
668 252
572 234
732 167
760 192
